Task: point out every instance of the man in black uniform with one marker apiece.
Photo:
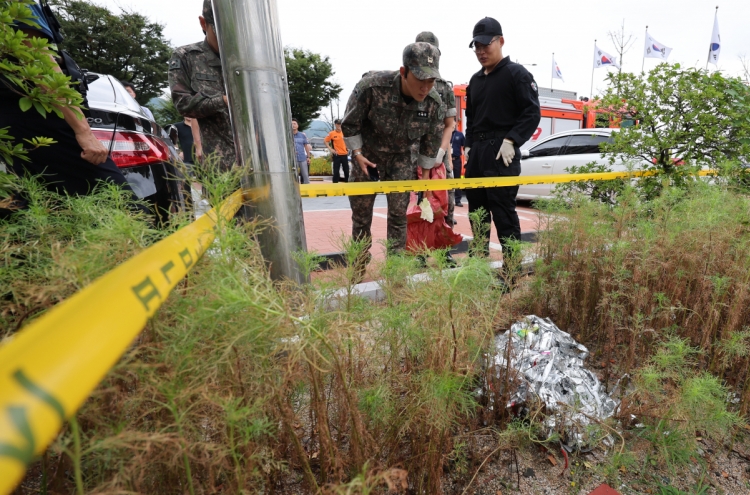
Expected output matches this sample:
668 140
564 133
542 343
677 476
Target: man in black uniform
502 113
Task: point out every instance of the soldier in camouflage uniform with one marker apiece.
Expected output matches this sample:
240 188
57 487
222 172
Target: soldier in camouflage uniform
445 90
391 125
197 85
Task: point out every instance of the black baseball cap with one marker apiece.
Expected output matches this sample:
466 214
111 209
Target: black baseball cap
485 30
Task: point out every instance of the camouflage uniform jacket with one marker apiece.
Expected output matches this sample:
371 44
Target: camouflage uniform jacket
378 119
445 90
197 85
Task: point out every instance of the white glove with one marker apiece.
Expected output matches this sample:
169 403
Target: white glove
466 152
507 151
427 213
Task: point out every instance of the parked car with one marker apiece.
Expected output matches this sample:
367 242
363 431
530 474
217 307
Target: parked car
319 148
138 145
560 151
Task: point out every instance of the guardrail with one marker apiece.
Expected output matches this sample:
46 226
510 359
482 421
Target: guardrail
49 368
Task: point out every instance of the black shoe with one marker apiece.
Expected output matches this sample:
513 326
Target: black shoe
450 262
501 286
459 204
360 268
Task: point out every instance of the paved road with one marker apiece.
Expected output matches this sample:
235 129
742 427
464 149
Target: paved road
342 203
336 203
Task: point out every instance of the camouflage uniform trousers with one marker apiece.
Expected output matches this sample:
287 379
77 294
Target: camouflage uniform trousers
391 166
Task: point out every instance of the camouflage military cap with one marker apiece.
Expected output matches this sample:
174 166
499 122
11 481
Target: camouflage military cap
208 12
423 60
429 37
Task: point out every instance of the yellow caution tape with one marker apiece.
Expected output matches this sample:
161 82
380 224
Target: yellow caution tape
364 188
49 368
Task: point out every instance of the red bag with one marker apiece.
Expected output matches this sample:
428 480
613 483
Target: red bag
421 234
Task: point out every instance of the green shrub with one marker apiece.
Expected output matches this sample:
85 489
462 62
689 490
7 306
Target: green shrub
321 166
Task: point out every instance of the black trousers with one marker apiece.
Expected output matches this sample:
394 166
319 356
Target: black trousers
498 202
60 165
457 175
340 161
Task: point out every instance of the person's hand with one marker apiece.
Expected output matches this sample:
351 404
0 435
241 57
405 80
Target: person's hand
466 153
199 154
225 100
364 163
94 151
507 152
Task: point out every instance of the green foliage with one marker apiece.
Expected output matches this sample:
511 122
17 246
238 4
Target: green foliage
127 46
27 69
310 86
605 191
166 113
60 244
320 166
685 116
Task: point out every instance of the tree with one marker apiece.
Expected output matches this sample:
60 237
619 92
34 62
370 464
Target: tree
27 69
745 61
623 43
165 112
126 46
310 87
685 116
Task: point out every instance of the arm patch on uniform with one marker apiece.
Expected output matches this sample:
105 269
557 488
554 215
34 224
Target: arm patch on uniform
174 64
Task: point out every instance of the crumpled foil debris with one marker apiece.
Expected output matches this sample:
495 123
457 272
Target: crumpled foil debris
550 366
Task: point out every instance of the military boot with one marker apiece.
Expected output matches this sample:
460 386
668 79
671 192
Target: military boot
360 268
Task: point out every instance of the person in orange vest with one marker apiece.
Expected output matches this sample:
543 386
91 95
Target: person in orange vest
339 151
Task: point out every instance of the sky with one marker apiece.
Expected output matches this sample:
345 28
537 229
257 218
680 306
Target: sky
364 35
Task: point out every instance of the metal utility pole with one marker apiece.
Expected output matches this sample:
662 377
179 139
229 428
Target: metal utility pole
252 59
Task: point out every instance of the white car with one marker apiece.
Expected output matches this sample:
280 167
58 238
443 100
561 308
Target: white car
319 148
560 151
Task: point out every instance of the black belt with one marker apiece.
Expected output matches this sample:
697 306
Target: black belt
486 136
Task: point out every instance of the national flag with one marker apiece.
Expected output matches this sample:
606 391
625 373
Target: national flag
556 72
654 49
604 59
715 48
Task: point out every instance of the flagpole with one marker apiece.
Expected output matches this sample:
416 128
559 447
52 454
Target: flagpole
551 75
591 92
708 59
643 64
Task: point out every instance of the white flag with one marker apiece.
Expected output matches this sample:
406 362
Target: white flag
603 59
715 48
556 72
654 49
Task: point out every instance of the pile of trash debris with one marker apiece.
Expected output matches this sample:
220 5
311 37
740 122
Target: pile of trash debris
549 366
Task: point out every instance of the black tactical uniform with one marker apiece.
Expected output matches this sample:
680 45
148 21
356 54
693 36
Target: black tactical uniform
499 105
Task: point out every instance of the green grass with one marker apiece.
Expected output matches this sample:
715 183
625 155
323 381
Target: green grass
245 385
